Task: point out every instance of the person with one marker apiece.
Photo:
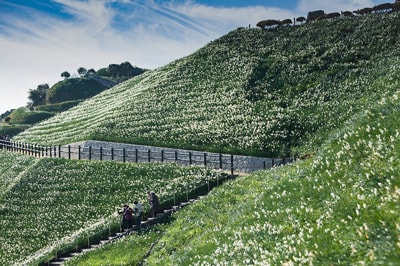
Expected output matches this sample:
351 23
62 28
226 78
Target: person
127 218
138 210
154 203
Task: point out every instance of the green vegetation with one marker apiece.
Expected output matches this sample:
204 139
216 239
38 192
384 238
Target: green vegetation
121 72
21 119
126 251
327 90
50 205
73 89
46 102
252 92
58 107
23 116
339 208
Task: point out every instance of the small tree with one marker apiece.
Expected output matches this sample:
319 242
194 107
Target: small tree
65 74
91 71
38 96
82 71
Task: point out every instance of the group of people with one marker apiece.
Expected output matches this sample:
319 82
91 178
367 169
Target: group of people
131 216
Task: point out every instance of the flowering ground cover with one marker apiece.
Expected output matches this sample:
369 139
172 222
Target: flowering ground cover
249 92
52 204
339 208
328 90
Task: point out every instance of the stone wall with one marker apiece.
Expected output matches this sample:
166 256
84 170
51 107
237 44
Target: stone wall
99 150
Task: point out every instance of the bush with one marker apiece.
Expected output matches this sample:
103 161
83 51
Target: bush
73 89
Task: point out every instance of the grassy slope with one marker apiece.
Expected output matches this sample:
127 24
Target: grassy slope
52 203
251 91
339 208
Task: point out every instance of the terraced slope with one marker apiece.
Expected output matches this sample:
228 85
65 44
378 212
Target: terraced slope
249 92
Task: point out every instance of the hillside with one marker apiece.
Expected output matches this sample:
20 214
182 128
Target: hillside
339 208
328 89
73 89
48 205
250 92
45 102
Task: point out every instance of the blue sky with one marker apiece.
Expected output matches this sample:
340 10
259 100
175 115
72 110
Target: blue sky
39 39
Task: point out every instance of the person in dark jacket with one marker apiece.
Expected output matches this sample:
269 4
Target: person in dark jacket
127 217
154 203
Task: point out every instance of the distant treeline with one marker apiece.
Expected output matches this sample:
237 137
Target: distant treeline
320 15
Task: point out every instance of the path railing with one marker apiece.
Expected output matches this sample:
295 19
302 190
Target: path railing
226 162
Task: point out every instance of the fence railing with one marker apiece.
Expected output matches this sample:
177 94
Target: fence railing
227 162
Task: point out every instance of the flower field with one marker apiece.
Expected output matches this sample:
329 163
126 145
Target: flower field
55 203
249 92
326 91
339 208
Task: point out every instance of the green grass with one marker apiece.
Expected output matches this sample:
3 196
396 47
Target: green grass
340 208
130 250
328 90
48 205
252 92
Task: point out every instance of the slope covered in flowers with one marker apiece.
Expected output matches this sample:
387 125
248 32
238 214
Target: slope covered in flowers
49 204
249 92
339 208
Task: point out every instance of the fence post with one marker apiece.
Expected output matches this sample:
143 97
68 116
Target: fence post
101 153
90 153
162 156
79 152
232 165
148 155
123 155
190 158
136 155
59 151
69 152
176 156
220 160
55 151
112 153
205 159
